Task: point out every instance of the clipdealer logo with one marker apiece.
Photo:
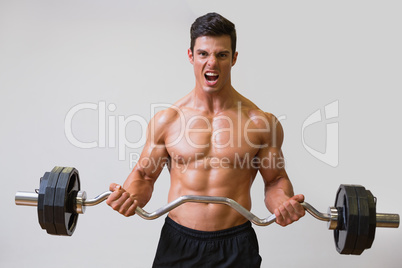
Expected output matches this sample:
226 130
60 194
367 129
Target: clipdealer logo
331 154
109 125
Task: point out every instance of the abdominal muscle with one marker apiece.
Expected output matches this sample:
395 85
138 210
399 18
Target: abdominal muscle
224 182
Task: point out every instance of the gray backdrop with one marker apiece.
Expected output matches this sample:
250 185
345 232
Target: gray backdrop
123 59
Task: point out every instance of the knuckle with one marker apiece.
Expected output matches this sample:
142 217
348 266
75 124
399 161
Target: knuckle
128 214
115 195
302 213
128 202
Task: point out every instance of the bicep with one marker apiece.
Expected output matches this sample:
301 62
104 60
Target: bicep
272 166
151 161
154 155
270 156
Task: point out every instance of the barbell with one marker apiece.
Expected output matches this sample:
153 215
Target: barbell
353 218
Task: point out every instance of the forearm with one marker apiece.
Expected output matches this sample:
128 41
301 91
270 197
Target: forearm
278 192
140 186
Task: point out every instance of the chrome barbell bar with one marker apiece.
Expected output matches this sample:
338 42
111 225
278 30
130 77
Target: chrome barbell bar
383 219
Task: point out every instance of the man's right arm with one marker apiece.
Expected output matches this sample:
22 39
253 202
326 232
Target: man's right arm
138 187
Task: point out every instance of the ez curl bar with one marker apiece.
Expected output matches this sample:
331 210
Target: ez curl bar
353 218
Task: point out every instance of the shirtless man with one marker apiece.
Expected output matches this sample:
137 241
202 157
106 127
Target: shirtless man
214 142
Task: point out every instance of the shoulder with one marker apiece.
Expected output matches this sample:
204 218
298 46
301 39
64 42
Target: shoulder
262 119
270 127
161 123
254 113
167 116
173 113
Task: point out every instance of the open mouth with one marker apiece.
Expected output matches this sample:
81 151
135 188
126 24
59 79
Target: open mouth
211 78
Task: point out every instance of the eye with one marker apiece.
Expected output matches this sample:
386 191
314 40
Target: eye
223 55
203 54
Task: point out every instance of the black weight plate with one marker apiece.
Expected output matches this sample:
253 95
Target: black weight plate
364 220
372 218
345 237
49 200
60 202
65 216
41 199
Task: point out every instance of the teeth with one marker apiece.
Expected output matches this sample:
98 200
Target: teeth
211 74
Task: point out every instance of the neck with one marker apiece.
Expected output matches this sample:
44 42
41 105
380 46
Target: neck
214 102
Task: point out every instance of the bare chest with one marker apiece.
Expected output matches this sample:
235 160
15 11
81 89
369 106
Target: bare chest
228 137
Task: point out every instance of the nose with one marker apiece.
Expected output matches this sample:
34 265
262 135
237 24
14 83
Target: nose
212 60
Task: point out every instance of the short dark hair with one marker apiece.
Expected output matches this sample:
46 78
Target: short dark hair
213 24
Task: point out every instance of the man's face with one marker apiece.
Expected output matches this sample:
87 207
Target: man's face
212 60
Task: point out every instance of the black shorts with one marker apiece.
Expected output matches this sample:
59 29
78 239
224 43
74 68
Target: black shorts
180 246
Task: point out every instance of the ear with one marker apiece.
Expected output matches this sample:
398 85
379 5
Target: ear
190 56
234 58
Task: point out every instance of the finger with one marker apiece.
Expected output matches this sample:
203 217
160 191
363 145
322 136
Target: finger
285 219
299 198
298 208
116 194
291 212
113 197
294 209
126 205
112 186
278 216
131 210
117 199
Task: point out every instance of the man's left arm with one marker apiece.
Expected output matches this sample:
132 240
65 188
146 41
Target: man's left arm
279 196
